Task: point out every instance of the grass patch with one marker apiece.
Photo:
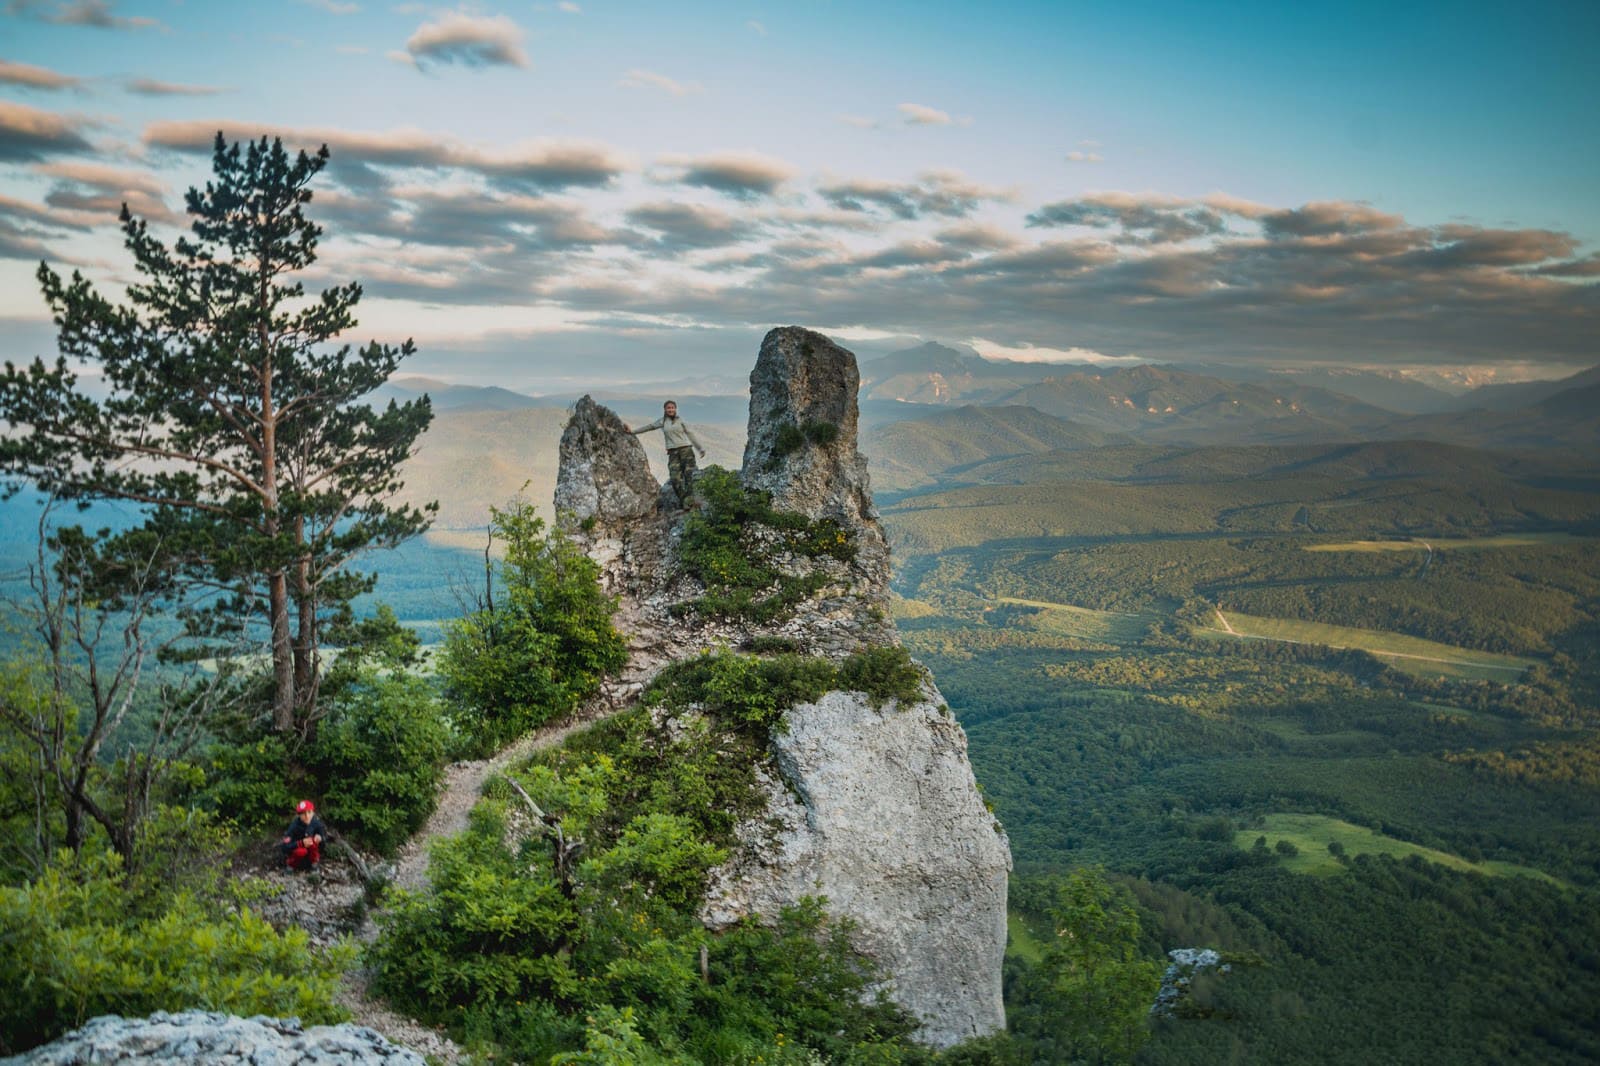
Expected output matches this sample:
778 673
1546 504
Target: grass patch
1065 619
1403 652
1310 835
1020 940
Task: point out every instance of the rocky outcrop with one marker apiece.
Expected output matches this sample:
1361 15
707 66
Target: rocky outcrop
219 1040
874 808
604 476
1186 965
878 811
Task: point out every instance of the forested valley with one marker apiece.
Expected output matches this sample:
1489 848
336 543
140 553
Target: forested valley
1343 734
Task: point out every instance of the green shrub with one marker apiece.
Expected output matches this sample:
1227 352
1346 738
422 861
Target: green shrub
73 945
789 439
765 644
544 644
492 930
256 782
729 545
748 691
883 673
380 756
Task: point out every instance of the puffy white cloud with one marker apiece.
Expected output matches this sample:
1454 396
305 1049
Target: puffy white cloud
469 40
935 192
918 115
743 175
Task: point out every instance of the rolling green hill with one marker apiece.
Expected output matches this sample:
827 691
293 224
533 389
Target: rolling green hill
930 450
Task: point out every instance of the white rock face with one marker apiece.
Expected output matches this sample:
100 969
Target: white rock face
219 1039
890 827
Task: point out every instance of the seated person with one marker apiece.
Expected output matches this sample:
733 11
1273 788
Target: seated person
302 841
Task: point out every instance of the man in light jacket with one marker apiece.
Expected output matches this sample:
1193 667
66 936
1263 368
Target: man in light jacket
681 446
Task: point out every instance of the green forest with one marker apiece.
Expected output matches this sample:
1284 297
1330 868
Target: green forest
1401 856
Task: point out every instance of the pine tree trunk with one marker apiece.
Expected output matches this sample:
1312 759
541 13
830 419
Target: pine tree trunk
305 646
283 691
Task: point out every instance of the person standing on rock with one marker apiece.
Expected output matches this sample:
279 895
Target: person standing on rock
302 841
681 447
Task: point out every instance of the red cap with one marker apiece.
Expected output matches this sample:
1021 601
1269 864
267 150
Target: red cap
304 806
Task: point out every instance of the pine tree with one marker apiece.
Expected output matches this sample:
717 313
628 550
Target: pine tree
224 404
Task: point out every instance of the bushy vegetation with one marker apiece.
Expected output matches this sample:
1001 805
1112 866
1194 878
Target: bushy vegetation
585 943
791 438
752 691
1088 997
84 939
380 759
538 646
734 543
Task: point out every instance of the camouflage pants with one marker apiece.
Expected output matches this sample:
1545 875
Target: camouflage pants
681 469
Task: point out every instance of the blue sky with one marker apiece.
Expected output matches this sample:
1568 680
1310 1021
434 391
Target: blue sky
549 193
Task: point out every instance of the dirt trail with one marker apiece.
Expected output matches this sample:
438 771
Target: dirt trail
463 784
325 906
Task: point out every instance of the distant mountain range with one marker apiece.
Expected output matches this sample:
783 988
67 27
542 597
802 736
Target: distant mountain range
934 415
915 452
1243 405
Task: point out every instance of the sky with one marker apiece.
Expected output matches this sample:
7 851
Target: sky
568 194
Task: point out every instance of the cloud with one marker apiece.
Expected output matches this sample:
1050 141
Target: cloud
1577 268
1085 157
93 193
907 254
149 87
32 77
742 175
334 7
756 27
95 13
936 192
541 165
685 227
569 7
918 115
921 115
475 41
1328 218
1143 220
28 134
649 79
25 227
1325 282
975 237
859 121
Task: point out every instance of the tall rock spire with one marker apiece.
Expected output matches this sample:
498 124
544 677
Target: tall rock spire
874 808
